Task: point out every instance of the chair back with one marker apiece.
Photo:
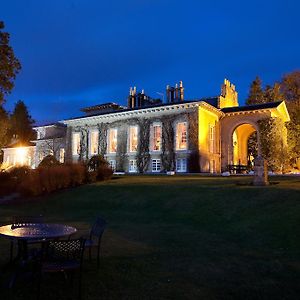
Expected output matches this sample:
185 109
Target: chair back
71 249
98 228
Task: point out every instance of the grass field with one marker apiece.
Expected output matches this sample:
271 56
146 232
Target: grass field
181 237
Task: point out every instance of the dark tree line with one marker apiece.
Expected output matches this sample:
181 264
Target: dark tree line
17 125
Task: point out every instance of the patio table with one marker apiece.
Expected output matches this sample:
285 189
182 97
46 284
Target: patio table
40 232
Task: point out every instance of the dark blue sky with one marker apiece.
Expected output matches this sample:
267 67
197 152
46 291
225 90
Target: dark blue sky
77 53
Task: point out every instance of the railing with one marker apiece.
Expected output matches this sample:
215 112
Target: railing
238 169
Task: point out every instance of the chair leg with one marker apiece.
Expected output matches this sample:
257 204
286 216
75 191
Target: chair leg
98 256
90 253
11 251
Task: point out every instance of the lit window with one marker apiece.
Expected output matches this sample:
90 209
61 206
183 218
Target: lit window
112 140
61 155
155 165
156 137
133 138
94 142
181 136
181 165
76 143
132 166
112 164
212 133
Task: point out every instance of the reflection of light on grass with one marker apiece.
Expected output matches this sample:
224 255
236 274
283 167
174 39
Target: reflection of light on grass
21 154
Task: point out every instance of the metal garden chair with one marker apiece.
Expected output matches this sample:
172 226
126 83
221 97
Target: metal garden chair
94 240
63 256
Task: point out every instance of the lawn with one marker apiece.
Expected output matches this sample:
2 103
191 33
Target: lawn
181 237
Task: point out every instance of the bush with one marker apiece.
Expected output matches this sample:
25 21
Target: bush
99 165
19 173
78 174
49 161
91 176
104 173
96 162
7 184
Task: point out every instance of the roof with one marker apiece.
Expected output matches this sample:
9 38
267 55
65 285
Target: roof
19 144
104 106
251 107
56 124
208 100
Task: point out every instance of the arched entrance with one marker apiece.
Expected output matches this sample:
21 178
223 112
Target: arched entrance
240 139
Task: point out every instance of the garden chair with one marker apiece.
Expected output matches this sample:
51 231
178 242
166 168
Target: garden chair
95 236
19 221
63 256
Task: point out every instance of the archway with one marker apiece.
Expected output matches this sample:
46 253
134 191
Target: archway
240 139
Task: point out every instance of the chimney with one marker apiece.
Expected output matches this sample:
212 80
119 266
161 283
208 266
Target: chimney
132 98
181 91
176 93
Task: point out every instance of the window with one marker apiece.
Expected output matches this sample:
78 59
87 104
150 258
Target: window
155 165
133 138
156 137
112 140
61 155
212 133
132 166
76 143
181 165
181 136
112 164
94 142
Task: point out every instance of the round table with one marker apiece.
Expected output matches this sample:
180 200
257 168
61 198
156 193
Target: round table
36 231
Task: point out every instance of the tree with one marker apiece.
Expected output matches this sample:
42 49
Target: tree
4 127
21 123
9 65
273 143
256 94
273 93
290 87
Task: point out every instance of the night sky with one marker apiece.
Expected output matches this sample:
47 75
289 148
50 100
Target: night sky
80 53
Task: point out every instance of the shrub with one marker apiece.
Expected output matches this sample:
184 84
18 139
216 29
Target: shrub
19 173
49 161
31 185
7 184
78 174
97 161
91 176
104 173
99 165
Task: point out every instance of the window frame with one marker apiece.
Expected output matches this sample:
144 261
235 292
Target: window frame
177 136
109 140
93 131
157 162
76 153
130 148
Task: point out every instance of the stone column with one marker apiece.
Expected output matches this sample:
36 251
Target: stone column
260 172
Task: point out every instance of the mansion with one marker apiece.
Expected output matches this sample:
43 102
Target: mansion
149 136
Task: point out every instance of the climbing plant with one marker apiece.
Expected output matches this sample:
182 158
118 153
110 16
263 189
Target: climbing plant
102 138
168 143
143 156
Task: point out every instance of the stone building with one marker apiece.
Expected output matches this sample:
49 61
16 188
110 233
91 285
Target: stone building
149 136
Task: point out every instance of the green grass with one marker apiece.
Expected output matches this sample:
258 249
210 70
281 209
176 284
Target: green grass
181 237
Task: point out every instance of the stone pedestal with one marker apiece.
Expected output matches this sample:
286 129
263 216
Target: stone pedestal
260 172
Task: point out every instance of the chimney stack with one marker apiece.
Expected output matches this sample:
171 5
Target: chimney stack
175 94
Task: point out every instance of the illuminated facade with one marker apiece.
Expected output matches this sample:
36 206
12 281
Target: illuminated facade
148 136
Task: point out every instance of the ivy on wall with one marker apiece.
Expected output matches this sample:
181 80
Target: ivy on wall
102 138
143 156
193 161
168 143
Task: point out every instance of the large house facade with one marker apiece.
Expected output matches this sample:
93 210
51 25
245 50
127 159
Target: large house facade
149 136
